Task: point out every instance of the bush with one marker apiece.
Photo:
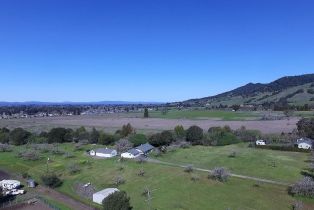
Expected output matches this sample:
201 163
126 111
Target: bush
222 136
233 154
304 187
179 131
117 201
118 180
195 177
188 169
138 139
51 180
194 134
73 168
220 174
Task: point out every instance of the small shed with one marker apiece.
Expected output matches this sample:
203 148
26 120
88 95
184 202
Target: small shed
31 183
103 152
98 197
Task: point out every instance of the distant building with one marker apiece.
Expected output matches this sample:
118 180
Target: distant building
304 143
98 197
104 152
260 142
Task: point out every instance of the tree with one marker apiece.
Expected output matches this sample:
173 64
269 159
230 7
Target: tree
94 136
58 135
166 137
118 200
138 139
220 174
51 180
179 131
194 134
235 107
304 187
19 136
123 145
126 130
306 127
81 134
145 113
161 139
4 135
106 139
155 140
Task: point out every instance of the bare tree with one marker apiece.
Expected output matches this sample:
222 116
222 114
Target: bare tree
123 145
304 187
221 174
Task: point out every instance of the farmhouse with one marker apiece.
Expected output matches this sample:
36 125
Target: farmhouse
132 153
304 143
145 148
10 184
98 197
103 152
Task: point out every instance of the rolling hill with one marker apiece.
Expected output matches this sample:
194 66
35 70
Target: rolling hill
293 90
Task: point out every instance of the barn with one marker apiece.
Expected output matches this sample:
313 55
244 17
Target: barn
104 152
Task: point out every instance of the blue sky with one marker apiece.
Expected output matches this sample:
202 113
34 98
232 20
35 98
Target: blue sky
149 50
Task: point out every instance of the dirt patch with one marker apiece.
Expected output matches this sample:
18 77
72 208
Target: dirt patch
147 125
4 175
24 206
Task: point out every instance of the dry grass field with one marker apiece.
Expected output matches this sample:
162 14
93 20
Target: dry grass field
112 123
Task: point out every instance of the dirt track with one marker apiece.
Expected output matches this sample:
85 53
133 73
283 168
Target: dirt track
150 124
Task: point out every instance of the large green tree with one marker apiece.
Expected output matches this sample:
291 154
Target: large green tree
146 113
117 201
194 134
19 136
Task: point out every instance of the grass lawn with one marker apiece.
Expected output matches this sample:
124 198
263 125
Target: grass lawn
203 114
268 164
173 188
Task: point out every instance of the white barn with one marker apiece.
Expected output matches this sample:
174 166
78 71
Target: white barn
104 152
98 197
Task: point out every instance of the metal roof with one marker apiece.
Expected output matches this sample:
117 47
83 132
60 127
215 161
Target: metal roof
104 150
305 140
106 192
145 147
134 152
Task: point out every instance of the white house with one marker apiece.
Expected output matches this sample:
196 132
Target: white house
132 153
304 143
260 142
98 197
103 152
10 184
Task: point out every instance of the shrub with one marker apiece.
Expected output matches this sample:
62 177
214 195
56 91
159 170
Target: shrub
194 134
127 130
282 148
25 175
220 174
73 168
118 180
51 180
117 201
179 131
248 135
188 169
233 154
138 139
141 172
195 177
166 137
222 136
304 187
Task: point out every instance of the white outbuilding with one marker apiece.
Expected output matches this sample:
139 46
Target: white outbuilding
132 153
98 197
260 142
10 184
104 152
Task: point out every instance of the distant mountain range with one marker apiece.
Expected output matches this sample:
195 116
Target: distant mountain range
295 90
40 103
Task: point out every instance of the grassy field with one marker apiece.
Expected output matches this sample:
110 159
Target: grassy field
173 187
268 164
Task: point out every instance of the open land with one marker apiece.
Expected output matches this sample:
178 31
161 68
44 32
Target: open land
173 188
113 122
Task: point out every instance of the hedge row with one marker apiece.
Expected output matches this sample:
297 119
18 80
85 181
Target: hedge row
282 148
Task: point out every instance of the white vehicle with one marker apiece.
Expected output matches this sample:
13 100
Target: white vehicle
16 192
9 184
260 142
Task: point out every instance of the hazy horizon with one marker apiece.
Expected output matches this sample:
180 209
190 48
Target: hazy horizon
149 51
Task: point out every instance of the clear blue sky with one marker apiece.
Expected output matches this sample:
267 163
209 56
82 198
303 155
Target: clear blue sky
149 50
